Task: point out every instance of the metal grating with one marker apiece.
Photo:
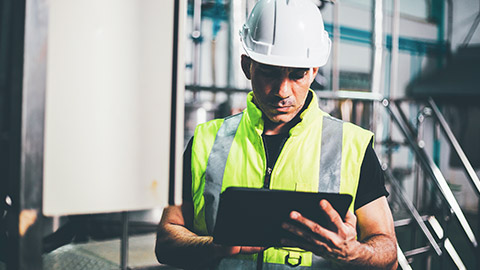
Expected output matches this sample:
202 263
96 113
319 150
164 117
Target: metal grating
68 257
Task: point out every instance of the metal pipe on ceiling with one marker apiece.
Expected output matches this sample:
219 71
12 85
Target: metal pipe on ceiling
394 53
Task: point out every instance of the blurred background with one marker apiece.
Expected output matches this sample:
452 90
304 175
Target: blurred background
99 98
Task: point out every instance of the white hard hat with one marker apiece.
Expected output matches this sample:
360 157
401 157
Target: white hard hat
286 33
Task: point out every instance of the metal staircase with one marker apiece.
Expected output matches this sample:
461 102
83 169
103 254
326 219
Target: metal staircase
434 235
434 223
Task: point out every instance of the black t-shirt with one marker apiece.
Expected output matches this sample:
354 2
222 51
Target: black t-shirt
371 184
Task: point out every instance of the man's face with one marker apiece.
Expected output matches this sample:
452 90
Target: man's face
280 92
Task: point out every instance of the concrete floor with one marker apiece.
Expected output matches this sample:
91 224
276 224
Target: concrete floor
101 255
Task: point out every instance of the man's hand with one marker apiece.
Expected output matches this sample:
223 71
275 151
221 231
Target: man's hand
339 243
178 246
373 248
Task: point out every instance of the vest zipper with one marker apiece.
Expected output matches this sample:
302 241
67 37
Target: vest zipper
266 185
268 173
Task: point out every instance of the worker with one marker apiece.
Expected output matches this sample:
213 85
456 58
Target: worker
282 140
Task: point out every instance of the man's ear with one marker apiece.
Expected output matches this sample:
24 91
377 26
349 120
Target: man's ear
246 63
314 74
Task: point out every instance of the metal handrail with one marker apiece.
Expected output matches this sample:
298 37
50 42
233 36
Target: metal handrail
472 175
404 118
432 169
413 212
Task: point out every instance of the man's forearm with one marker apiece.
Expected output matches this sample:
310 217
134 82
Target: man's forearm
177 246
375 252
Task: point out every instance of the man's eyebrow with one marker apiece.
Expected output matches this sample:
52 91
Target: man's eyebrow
269 67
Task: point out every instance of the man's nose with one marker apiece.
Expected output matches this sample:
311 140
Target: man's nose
284 88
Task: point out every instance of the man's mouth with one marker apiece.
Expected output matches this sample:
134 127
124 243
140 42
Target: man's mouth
282 108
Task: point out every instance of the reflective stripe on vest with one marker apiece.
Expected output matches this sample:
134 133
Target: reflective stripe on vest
331 155
216 167
329 181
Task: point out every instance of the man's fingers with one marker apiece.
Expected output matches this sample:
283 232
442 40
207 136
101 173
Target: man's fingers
351 219
312 226
335 243
331 213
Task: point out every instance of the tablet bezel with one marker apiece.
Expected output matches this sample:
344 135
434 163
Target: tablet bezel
253 217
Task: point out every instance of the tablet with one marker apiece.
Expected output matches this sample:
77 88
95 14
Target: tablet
253 217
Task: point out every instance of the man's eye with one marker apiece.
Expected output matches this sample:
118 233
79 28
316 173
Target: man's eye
298 75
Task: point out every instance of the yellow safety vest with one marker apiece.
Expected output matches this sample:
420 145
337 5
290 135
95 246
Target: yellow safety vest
321 154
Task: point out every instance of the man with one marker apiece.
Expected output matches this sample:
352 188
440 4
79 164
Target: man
282 140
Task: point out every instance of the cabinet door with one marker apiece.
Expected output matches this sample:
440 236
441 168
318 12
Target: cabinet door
108 108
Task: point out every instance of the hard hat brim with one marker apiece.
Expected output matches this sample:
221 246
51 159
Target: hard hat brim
285 61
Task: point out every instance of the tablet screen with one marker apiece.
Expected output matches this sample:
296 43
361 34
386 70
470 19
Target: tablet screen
253 217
